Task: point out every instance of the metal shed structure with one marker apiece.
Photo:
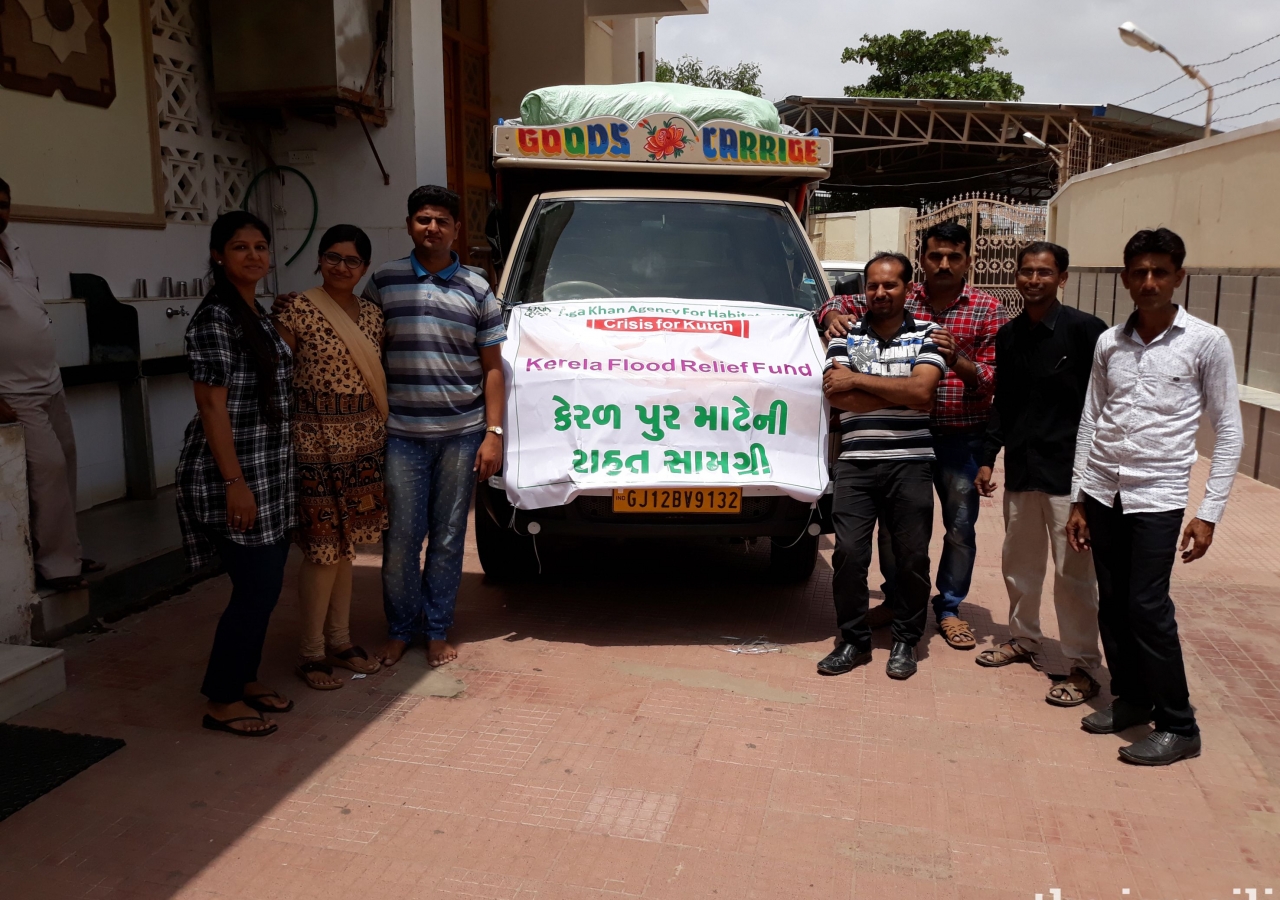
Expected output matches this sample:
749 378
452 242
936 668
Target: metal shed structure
905 152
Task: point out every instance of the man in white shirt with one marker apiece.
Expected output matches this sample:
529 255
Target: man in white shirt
31 393
1152 377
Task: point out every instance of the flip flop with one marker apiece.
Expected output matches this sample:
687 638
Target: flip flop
344 658
225 725
253 702
316 665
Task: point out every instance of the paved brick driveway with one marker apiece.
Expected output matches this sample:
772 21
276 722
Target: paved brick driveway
596 740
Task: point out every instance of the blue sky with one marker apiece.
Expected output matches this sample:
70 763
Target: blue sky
1065 52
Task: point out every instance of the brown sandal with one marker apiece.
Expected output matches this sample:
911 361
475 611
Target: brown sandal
347 659
1006 653
316 665
957 634
1075 689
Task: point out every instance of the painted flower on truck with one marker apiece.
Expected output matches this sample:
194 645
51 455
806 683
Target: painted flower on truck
669 140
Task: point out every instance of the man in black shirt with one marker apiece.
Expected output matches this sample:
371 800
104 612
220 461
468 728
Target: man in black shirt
1043 359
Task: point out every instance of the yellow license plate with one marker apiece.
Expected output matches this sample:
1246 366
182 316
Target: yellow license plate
669 501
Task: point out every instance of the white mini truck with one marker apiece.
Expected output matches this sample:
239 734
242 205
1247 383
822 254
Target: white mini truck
621 213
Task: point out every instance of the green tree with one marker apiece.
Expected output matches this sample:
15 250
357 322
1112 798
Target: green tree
949 65
743 77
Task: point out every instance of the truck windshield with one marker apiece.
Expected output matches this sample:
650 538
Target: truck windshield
691 250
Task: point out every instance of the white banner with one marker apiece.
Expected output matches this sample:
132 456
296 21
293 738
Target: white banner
662 393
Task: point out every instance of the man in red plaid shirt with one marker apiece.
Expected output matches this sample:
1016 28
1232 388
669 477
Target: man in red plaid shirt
971 318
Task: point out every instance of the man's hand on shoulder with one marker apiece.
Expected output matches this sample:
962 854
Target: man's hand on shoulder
946 342
838 324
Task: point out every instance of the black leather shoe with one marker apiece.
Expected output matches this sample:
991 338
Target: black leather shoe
843 659
1160 748
902 661
1116 717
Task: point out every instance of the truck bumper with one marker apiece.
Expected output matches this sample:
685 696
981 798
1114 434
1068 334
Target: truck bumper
774 516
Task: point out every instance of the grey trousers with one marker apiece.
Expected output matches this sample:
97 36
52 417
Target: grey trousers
51 481
1035 526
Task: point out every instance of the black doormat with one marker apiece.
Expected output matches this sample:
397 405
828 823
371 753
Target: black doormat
37 760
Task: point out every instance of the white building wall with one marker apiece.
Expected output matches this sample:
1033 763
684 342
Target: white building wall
349 188
173 404
857 236
346 177
95 418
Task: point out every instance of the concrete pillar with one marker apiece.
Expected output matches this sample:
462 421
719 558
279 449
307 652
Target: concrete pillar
647 43
625 69
421 58
17 574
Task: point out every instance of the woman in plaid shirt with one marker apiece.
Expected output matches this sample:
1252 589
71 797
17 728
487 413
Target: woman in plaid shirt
235 479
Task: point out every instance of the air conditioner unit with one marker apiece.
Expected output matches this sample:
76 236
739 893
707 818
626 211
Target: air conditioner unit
313 57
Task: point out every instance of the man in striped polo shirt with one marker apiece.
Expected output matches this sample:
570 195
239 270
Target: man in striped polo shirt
442 352
882 377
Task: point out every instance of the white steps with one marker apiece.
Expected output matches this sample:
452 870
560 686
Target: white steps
29 675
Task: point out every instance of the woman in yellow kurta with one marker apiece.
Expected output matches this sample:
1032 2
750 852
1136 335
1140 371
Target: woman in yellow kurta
339 435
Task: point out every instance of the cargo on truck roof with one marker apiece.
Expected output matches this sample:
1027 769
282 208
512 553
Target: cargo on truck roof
633 127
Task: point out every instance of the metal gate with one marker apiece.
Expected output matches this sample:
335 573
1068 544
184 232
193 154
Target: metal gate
999 228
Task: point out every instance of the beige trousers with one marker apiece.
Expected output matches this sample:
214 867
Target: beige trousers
324 604
51 481
1035 527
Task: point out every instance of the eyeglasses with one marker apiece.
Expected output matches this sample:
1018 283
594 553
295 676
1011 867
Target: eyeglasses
333 259
1045 274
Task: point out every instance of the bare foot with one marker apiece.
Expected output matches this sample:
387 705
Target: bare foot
265 696
224 712
440 652
391 652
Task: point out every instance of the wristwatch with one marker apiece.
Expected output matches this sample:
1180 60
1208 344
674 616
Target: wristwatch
495 429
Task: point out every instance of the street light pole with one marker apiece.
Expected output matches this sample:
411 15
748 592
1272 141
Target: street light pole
1135 37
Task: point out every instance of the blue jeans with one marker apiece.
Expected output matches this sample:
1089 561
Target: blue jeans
428 484
954 468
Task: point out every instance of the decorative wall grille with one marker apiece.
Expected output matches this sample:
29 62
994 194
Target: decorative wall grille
206 160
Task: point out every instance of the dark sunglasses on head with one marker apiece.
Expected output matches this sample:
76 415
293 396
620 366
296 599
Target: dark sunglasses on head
352 262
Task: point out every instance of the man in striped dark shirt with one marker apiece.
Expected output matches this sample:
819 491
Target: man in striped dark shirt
971 318
445 389
883 376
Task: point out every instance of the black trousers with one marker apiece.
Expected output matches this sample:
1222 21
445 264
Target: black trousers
900 495
1133 555
257 574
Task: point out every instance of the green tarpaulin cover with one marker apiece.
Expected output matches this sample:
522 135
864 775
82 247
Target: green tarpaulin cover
574 102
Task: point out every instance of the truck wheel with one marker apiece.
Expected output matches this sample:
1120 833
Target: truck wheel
505 556
795 563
